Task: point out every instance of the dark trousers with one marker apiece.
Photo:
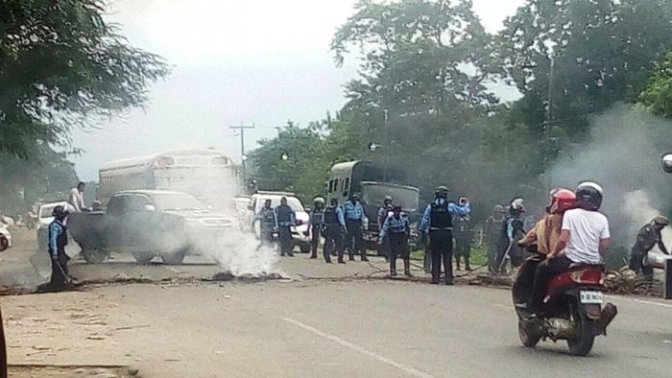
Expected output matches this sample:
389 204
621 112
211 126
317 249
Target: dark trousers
315 238
441 245
333 240
355 239
398 247
266 236
285 238
636 262
493 254
384 248
463 249
544 274
59 271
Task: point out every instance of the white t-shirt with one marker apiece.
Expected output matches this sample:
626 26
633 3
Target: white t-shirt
586 229
76 201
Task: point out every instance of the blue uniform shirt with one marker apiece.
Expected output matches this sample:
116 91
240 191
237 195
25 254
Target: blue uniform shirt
340 216
453 208
56 228
261 216
353 212
287 214
393 225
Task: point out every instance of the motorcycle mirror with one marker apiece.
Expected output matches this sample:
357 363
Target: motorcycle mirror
667 163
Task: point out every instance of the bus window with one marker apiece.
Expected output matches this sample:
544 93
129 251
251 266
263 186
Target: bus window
331 186
336 185
346 187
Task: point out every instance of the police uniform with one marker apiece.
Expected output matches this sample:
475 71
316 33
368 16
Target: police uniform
285 218
354 215
397 231
464 236
512 230
383 213
267 223
492 232
58 239
316 224
647 237
333 232
437 220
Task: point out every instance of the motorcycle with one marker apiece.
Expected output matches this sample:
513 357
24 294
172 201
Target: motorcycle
573 307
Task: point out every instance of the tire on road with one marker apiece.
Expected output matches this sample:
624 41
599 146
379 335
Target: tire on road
527 335
142 257
582 343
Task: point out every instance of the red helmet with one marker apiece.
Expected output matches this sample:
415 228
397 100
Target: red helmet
561 200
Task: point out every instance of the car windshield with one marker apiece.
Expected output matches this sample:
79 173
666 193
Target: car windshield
293 202
374 194
177 201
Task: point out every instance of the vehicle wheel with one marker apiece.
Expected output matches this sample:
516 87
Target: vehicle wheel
93 256
4 243
142 257
527 336
582 343
305 248
174 259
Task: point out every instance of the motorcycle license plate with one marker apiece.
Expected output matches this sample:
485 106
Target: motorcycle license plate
591 297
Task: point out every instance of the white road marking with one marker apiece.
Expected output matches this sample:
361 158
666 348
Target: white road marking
641 301
405 368
173 269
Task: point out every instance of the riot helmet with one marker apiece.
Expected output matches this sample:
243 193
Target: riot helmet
442 192
516 208
318 202
387 201
660 221
59 213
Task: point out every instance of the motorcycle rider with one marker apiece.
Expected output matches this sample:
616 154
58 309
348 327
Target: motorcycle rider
397 229
316 222
333 231
354 214
437 220
546 233
268 223
492 231
512 230
58 239
285 219
584 238
647 237
383 212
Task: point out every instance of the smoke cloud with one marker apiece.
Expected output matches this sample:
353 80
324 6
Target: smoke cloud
623 154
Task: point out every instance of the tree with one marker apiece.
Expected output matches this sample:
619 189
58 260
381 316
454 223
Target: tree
658 94
63 66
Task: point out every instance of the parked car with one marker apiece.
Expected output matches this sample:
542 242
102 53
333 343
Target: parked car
44 218
299 232
148 223
5 238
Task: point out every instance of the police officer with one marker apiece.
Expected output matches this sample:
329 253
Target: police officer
58 239
647 237
334 226
285 219
511 232
383 212
397 229
463 239
492 232
438 221
316 222
353 211
268 223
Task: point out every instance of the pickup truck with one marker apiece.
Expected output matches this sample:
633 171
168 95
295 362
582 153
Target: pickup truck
148 223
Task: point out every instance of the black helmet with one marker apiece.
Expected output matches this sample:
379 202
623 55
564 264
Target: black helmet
59 212
387 200
661 220
442 192
589 196
516 206
318 200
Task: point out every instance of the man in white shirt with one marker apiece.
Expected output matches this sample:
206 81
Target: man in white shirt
76 199
583 239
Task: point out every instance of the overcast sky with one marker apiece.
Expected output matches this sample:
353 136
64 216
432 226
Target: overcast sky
260 62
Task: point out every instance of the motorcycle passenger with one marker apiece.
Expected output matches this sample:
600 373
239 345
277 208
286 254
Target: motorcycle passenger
647 237
583 240
286 219
492 232
383 212
437 220
58 239
353 211
546 233
511 232
267 223
397 229
333 231
316 222
464 237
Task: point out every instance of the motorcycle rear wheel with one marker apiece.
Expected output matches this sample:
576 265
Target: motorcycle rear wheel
527 335
582 343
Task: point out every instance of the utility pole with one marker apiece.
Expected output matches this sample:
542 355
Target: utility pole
385 146
548 127
243 157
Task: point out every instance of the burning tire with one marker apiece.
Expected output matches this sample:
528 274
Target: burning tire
93 256
142 257
174 259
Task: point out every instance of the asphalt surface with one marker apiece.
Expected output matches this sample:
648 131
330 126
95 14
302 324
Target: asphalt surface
322 323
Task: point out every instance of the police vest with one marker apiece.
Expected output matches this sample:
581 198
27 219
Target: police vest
61 239
318 217
284 214
440 217
397 226
268 217
329 216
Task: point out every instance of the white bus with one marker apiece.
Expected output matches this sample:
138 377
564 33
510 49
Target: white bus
209 175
